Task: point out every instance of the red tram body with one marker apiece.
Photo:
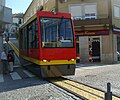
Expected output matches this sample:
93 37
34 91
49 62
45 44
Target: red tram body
47 44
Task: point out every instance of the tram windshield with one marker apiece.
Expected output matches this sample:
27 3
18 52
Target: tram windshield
56 32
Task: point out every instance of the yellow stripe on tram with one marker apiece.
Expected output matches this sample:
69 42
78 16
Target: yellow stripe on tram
14 48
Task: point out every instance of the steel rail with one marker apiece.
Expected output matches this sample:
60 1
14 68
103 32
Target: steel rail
80 89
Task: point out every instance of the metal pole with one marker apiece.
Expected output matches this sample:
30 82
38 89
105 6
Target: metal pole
108 94
7 42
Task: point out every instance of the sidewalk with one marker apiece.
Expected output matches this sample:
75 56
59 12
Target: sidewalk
79 65
98 75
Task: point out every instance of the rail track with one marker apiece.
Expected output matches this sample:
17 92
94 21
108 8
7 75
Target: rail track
81 90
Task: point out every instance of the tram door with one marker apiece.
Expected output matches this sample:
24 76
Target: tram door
96 50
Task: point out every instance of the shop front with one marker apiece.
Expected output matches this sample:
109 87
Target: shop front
96 46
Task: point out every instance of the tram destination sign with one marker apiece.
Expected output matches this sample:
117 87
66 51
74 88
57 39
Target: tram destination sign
92 33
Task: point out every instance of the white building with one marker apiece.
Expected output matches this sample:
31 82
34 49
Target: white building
2 2
5 15
17 21
5 20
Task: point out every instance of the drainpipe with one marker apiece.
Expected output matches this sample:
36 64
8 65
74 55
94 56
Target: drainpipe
110 14
56 6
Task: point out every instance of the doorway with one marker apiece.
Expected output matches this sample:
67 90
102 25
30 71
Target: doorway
96 49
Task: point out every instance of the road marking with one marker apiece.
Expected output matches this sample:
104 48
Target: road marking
91 67
1 78
15 76
28 73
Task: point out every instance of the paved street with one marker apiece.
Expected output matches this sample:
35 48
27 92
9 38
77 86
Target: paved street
23 85
98 75
30 87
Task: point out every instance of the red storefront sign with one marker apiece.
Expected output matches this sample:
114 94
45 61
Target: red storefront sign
92 33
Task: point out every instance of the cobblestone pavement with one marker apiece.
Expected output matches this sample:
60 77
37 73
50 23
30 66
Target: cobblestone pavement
30 88
33 88
45 91
98 75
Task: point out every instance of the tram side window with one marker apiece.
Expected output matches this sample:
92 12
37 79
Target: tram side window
36 35
30 34
25 38
21 38
33 34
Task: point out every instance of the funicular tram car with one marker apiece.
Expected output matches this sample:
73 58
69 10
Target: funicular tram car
47 44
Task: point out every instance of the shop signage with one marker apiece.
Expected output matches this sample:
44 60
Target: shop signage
92 33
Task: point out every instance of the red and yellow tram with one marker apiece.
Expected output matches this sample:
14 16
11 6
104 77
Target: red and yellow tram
47 44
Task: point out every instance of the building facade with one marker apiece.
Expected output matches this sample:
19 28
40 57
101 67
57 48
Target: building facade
5 16
96 23
32 9
17 20
2 2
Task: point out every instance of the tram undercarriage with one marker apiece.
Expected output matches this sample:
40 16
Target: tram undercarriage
46 71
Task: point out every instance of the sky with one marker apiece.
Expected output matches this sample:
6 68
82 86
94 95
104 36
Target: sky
18 6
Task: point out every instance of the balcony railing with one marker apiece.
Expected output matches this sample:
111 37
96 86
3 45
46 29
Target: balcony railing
91 20
5 15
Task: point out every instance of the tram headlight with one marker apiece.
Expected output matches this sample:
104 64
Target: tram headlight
72 59
72 18
44 60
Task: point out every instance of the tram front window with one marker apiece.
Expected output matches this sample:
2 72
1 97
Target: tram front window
56 32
